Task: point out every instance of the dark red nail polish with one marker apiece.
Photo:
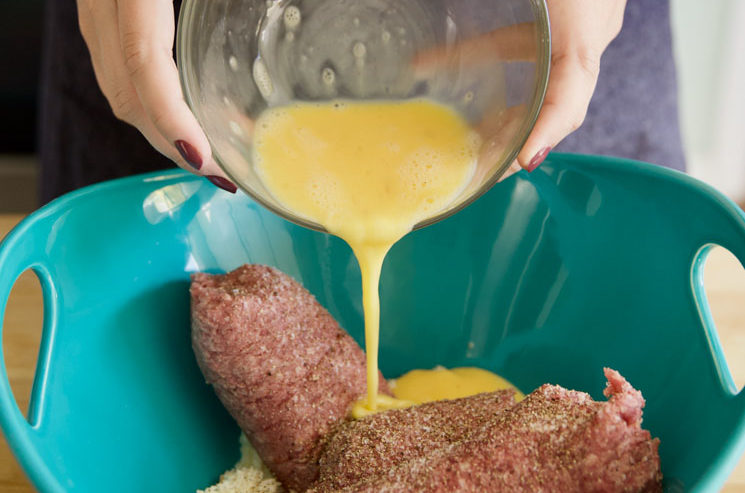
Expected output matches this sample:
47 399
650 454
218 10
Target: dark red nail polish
221 182
538 159
189 153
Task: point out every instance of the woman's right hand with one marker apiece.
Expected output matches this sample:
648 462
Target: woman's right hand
580 32
131 46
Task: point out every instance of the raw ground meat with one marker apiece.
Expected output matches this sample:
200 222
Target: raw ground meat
279 363
362 448
556 440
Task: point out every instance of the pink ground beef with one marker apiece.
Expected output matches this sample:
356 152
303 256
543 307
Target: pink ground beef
358 449
278 361
556 440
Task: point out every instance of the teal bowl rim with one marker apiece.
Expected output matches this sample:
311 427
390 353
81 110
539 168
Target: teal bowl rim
17 432
543 50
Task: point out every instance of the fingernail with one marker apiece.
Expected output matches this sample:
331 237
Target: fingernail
538 159
189 153
221 182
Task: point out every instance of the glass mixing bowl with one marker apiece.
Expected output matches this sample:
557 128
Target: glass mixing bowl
488 59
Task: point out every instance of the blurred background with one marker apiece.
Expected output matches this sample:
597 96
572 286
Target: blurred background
709 47
708 41
20 47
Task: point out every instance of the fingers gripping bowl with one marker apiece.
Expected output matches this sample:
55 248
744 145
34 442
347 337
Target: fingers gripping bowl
487 60
541 280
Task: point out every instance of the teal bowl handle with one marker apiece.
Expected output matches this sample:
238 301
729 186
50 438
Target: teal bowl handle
17 255
731 237
734 241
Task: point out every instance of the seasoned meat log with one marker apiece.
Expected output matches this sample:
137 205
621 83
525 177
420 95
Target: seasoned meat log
370 446
556 440
278 361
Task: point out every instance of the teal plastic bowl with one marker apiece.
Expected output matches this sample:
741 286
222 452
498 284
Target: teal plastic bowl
588 262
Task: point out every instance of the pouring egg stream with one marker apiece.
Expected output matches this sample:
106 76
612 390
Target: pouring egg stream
369 172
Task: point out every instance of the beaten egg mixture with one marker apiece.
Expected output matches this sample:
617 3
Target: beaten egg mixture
368 172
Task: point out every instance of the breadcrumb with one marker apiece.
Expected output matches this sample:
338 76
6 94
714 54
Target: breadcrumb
249 475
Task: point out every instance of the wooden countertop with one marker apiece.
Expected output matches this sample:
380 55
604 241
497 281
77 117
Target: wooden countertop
725 281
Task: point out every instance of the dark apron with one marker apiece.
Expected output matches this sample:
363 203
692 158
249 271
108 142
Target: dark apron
633 112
